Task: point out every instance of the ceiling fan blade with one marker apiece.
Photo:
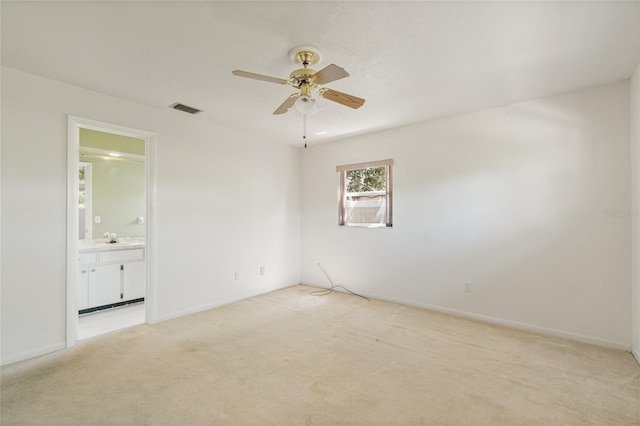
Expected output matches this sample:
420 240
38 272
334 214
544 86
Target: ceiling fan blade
330 73
288 103
261 77
342 98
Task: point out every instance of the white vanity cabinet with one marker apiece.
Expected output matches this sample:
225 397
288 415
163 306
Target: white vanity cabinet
82 278
108 277
82 287
104 285
134 281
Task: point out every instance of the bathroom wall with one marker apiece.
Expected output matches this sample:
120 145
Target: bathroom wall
118 182
118 196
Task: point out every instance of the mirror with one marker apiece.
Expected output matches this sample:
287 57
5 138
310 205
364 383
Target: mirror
112 190
84 201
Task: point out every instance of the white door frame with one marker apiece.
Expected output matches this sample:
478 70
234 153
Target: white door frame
74 124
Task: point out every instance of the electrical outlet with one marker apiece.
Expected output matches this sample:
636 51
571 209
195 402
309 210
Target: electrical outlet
467 287
262 270
97 219
237 276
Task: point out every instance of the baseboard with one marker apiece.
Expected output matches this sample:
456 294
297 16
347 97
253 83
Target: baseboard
504 322
109 306
32 354
636 353
215 304
53 348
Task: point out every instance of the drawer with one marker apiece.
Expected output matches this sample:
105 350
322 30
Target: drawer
121 255
87 258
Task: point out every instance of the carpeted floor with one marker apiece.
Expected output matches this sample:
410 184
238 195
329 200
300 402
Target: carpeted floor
288 358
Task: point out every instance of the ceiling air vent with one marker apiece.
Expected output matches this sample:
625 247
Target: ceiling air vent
185 108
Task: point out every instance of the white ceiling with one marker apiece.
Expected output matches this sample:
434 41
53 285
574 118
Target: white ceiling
411 60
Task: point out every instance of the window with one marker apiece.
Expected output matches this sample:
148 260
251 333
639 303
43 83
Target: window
365 194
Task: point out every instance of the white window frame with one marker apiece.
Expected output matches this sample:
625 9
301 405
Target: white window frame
388 193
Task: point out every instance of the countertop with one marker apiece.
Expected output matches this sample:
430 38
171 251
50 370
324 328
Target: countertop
85 246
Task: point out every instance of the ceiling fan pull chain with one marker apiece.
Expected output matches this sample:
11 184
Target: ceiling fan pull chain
304 129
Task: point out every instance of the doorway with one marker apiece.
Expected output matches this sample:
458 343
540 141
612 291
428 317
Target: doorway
110 260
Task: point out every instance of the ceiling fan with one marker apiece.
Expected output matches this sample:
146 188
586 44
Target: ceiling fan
307 81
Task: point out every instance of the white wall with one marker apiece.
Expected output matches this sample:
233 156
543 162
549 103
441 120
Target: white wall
528 202
635 186
226 202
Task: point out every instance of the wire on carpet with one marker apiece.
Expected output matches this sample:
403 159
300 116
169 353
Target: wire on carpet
333 286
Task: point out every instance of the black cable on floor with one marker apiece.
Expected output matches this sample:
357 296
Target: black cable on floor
333 286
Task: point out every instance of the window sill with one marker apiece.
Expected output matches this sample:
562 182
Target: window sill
365 225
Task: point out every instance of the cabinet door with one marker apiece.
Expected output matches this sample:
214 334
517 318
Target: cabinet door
82 287
135 280
104 285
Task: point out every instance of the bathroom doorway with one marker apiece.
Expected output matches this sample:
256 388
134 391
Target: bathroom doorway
109 255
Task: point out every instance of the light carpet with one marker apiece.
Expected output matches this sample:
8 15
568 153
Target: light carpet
289 358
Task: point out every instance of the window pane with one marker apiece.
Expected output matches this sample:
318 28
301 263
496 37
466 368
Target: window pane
365 198
365 194
366 180
366 209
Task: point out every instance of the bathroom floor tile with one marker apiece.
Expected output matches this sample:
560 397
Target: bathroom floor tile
106 321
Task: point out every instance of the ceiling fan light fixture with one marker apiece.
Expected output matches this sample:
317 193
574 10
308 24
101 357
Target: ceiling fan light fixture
305 105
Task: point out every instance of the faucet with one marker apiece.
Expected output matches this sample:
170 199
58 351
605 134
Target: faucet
111 237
